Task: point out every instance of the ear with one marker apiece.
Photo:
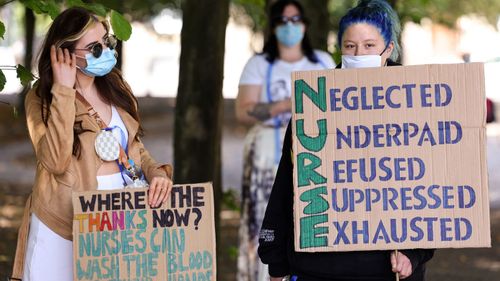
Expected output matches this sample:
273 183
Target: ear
389 49
387 53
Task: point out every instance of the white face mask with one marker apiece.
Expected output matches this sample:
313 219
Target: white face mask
361 61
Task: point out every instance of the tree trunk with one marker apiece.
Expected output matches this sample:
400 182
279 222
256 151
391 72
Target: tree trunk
29 24
198 113
29 33
119 50
319 22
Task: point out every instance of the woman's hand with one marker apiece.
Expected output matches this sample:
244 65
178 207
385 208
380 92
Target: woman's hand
285 105
159 190
63 66
250 110
401 264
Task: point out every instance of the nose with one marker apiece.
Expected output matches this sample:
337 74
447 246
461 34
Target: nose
360 51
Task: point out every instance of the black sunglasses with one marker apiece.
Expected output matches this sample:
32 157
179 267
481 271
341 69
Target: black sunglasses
285 20
96 49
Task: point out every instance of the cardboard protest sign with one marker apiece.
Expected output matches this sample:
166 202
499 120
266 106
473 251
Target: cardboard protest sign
117 236
390 158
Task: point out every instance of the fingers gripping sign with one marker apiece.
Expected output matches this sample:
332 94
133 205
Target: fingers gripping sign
401 265
159 190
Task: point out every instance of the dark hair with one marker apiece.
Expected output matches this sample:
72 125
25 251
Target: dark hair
271 44
64 32
379 14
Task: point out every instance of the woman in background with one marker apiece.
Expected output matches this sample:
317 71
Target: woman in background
264 102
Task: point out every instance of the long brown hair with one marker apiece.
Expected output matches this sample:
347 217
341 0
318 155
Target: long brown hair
270 48
64 32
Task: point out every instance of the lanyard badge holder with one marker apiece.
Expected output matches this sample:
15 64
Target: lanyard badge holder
132 175
108 148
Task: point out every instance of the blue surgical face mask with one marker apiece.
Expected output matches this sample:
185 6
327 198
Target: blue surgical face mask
289 34
99 66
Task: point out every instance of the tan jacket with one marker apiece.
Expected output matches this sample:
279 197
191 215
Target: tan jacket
58 171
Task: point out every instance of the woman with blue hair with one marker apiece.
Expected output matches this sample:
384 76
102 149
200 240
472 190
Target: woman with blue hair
368 37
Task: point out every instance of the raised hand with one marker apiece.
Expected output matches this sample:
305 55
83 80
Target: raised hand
63 66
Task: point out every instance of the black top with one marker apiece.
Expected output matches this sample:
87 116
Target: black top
276 242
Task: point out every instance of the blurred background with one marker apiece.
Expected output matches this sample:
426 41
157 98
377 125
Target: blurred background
186 56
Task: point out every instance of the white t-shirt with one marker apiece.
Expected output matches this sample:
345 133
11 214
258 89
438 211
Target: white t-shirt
119 130
114 181
255 73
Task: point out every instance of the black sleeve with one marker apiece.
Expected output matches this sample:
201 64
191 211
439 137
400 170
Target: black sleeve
418 256
278 222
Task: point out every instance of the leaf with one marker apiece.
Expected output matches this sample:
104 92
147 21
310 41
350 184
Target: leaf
74 3
24 75
2 29
51 8
96 8
121 26
3 80
36 6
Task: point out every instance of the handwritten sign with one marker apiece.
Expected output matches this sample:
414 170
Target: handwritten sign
117 236
390 158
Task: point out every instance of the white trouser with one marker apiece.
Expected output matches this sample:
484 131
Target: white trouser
49 256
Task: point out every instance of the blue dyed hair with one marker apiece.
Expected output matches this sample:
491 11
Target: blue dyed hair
379 14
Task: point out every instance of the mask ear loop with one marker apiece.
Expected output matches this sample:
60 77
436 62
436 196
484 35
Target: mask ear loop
77 66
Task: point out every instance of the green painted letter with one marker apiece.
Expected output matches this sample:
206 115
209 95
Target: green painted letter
318 98
309 232
312 144
307 172
317 204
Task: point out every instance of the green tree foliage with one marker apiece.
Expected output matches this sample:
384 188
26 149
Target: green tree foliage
2 29
50 7
125 29
3 80
24 75
446 11
319 22
254 9
141 10
439 11
120 25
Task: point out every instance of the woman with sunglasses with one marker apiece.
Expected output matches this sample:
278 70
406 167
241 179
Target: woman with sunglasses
368 37
264 102
83 121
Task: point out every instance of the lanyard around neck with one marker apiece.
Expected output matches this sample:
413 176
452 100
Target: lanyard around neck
276 121
123 157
